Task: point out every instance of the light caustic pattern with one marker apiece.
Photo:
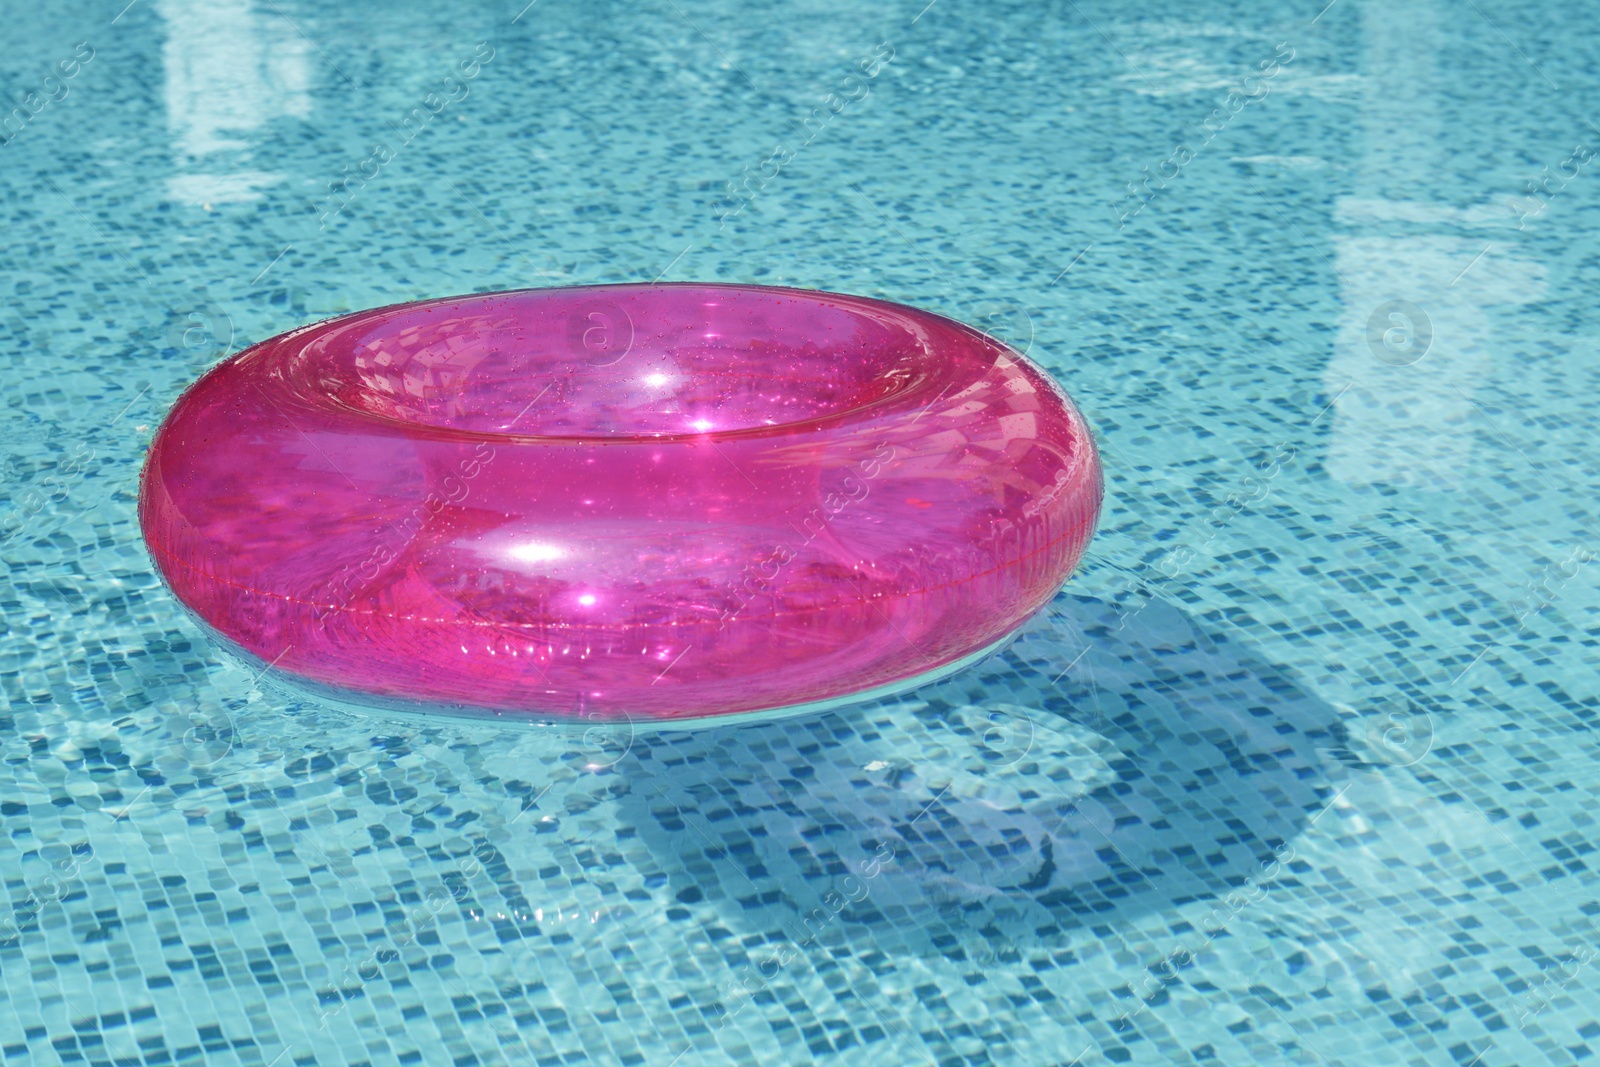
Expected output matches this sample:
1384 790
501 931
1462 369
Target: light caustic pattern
660 502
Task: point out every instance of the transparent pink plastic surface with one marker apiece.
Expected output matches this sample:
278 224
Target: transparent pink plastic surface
620 502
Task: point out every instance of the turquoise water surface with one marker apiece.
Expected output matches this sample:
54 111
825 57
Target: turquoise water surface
1300 767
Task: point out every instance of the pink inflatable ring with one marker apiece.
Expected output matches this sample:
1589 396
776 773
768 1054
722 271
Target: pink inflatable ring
640 502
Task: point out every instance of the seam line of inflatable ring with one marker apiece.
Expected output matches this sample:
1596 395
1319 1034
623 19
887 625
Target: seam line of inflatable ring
335 609
712 437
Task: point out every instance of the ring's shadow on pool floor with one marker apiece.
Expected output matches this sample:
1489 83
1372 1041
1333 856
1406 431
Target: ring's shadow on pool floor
1098 769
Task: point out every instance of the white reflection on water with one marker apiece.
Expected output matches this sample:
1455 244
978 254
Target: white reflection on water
1404 384
229 71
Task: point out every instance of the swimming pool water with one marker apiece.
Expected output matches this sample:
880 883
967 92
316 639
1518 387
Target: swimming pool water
1298 769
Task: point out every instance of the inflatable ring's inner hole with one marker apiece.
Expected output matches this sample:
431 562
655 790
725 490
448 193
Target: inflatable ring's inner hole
632 362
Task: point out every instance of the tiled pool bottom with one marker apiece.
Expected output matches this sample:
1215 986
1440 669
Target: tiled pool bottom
1122 840
1300 769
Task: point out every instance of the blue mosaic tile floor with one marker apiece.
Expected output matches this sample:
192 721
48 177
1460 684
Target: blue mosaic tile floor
1298 769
